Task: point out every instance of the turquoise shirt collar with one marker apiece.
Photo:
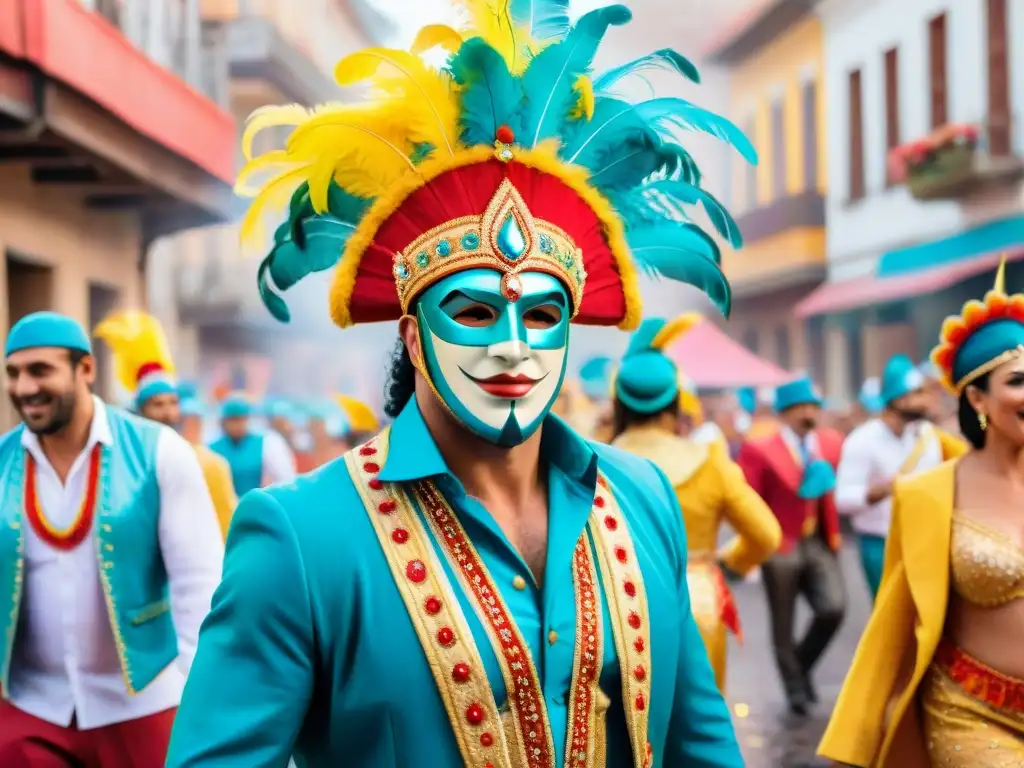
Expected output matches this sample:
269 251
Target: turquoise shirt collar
413 454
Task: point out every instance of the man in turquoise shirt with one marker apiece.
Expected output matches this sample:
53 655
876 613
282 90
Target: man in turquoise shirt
476 585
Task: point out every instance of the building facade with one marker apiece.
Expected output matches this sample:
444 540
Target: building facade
203 284
93 168
909 241
774 53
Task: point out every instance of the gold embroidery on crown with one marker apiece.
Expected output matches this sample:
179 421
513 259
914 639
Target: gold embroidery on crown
475 241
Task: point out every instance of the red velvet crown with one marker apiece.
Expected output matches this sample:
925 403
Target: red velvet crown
565 203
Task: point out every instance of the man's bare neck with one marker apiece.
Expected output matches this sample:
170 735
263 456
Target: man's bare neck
63 447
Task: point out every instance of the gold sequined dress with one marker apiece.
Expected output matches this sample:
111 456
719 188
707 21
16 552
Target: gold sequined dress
973 716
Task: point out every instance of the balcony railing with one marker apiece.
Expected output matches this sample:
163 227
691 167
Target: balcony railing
171 33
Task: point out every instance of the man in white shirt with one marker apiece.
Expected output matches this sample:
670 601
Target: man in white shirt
898 441
109 557
256 458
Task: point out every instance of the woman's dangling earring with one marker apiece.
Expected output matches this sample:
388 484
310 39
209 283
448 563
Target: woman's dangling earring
983 421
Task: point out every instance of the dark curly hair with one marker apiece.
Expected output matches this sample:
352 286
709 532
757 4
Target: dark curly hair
970 427
400 384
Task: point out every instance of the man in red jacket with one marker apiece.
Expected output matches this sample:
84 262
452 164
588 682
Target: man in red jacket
793 470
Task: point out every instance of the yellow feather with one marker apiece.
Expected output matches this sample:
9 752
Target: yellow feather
360 416
492 20
675 328
434 36
270 117
1000 283
276 160
135 338
584 87
275 195
422 94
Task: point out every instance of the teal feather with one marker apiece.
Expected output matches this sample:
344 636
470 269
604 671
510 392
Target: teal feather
323 238
644 336
680 193
491 96
637 159
548 80
619 119
664 59
341 205
421 152
681 252
544 19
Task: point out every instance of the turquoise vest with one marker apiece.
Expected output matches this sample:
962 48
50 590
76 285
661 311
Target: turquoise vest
245 458
127 546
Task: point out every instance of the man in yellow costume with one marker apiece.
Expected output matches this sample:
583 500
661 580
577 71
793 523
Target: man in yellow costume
649 398
143 363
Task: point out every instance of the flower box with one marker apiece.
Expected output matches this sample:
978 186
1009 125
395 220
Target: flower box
938 166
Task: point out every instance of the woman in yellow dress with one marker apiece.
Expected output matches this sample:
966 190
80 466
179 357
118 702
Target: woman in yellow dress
650 395
938 678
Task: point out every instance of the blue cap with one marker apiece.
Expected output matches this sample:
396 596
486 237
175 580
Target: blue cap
800 391
987 343
900 377
155 385
236 407
190 406
595 377
747 399
47 329
647 382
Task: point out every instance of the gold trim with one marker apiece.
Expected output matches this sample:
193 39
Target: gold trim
586 737
624 590
411 547
472 241
988 367
19 576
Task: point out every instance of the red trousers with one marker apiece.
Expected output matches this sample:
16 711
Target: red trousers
28 742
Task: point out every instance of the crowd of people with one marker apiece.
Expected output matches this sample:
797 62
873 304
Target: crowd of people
481 582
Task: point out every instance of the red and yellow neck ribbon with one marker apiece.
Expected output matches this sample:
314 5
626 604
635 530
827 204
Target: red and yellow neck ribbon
73 534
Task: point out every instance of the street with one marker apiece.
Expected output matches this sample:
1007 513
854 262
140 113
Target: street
769 735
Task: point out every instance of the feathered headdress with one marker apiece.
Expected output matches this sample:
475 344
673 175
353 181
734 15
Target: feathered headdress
647 380
982 337
359 415
142 357
512 156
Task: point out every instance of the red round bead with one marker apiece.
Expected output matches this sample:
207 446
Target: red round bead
599 501
639 673
399 535
460 672
641 702
376 484
611 523
486 739
371 467
634 620
639 645
416 571
620 554
387 506
475 714
505 134
367 450
629 588
445 636
433 605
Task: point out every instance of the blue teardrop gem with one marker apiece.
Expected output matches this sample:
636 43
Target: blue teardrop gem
511 241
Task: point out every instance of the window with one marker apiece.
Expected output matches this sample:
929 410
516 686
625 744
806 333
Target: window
892 103
782 351
937 70
999 127
751 180
856 136
778 149
809 103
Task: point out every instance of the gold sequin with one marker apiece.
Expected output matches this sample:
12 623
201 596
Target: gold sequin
988 568
958 728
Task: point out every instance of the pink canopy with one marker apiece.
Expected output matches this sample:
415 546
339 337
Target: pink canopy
712 360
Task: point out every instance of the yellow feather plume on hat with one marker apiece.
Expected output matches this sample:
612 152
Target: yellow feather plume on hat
361 417
135 338
675 328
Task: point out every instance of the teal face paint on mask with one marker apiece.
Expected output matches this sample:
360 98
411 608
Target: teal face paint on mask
497 364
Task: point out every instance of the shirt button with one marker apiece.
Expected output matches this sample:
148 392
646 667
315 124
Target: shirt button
552 637
519 583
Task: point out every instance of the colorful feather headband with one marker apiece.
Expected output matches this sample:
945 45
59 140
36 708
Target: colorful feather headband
511 156
982 337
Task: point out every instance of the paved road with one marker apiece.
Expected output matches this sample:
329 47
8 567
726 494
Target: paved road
769 735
